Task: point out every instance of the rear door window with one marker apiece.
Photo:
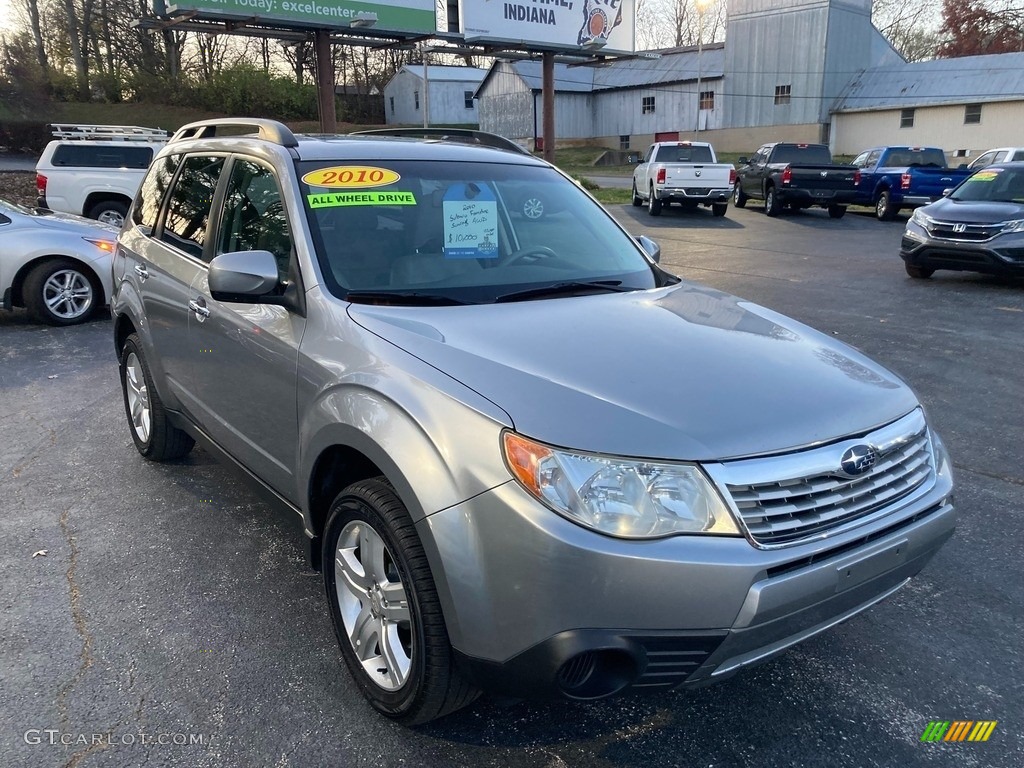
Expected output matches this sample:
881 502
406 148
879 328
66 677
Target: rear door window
102 156
188 208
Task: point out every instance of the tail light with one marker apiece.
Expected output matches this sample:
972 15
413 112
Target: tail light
661 175
732 175
905 181
40 185
787 175
856 178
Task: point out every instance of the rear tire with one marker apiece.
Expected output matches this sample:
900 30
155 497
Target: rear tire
637 202
653 204
739 198
772 206
919 273
154 435
719 209
110 212
61 292
836 211
884 209
385 608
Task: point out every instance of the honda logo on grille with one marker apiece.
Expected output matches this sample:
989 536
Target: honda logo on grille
858 460
959 227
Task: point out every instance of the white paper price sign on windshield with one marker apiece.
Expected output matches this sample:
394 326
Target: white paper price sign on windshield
470 222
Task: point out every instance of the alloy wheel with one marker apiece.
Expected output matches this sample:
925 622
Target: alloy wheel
68 294
138 397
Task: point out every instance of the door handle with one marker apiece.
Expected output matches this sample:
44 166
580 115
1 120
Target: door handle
200 309
142 272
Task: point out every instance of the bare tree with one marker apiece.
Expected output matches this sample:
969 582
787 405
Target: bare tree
910 25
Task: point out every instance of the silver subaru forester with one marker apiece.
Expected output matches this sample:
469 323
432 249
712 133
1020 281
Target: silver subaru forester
526 458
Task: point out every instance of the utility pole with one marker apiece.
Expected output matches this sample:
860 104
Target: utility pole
702 6
548 88
426 87
325 81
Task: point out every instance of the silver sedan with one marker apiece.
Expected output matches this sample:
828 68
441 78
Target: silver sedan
55 265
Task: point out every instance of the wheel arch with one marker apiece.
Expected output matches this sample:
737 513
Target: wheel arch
95 198
18 283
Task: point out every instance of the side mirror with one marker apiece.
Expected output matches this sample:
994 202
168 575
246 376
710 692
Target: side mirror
243 276
743 160
947 191
652 248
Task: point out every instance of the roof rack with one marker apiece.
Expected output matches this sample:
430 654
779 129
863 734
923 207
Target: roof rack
461 135
107 132
267 130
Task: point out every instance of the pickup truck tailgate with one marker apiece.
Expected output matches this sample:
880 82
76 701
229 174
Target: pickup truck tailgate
929 182
690 176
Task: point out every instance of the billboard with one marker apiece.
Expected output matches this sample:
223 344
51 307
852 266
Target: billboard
605 25
394 15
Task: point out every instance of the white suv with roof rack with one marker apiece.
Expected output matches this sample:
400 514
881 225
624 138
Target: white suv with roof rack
95 170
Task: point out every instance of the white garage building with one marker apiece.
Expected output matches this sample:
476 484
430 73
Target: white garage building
452 91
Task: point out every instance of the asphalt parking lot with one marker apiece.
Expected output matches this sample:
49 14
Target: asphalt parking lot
171 604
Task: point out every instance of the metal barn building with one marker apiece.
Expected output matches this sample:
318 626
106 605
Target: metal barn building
452 91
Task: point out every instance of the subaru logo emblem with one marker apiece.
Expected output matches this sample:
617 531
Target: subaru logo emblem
858 460
959 227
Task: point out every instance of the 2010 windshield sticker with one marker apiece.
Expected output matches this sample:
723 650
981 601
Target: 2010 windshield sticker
339 199
991 175
470 222
351 177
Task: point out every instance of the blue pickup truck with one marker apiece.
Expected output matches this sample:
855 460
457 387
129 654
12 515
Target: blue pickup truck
893 178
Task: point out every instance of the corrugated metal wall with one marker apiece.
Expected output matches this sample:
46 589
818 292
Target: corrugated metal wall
447 101
506 104
620 113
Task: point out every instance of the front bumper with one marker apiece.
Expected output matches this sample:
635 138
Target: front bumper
1002 255
536 605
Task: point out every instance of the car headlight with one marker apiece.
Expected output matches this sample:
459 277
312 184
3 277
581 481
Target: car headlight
1017 225
620 497
921 218
943 464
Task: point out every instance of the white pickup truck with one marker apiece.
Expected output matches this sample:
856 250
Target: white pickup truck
95 170
684 172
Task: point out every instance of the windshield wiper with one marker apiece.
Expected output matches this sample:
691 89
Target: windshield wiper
560 289
414 298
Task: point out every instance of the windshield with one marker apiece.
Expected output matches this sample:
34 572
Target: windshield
466 232
994 185
802 154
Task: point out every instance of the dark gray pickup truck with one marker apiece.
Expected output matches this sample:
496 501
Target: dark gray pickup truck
795 176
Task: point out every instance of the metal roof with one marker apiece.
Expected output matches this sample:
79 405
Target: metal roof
675 65
439 72
964 80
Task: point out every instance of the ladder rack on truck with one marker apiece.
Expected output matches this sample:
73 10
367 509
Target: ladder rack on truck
107 132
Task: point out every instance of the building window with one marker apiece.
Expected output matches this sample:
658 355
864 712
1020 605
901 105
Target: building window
391 103
782 94
624 142
972 114
416 99
647 105
468 97
707 99
906 118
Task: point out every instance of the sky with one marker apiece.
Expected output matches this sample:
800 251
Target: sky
6 16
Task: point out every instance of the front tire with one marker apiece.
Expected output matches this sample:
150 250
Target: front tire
385 608
653 204
61 292
919 273
772 206
637 202
154 435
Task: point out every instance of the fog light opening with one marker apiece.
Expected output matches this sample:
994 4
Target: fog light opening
596 674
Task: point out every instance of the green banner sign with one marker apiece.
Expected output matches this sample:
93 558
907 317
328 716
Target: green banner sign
396 15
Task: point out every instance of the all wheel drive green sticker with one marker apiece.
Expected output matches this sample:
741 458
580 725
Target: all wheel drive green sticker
339 199
991 175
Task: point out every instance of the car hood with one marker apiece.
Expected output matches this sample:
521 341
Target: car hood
974 211
682 373
67 222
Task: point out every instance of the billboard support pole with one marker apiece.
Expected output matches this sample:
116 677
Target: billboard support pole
325 81
426 87
548 89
